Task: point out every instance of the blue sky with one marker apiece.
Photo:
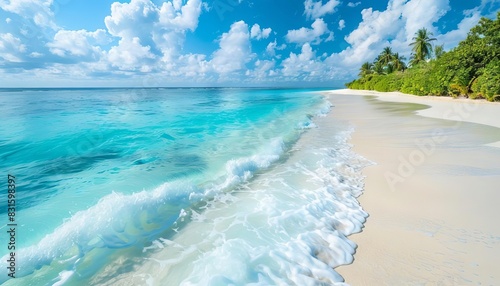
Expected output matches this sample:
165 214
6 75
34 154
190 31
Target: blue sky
145 43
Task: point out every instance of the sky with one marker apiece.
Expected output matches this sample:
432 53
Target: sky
261 43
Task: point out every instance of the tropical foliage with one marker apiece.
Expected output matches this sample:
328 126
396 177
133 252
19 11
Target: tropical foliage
386 63
421 46
366 69
471 69
439 51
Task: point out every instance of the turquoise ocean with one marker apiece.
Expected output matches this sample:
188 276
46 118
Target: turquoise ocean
187 186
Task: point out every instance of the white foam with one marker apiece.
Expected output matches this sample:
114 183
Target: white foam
307 125
309 214
325 109
63 277
288 226
119 221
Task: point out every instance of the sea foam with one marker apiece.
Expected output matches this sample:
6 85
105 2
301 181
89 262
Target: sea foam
121 221
287 226
281 216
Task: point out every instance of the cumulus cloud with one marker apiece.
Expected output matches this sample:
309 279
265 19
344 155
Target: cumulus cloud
272 47
372 34
79 43
263 70
148 36
423 14
37 10
134 19
144 18
296 65
315 9
175 16
35 55
306 66
234 51
306 35
11 49
257 33
144 26
341 24
395 27
142 36
193 65
130 55
451 38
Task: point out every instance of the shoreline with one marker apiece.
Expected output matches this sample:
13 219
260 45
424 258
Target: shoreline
431 195
466 110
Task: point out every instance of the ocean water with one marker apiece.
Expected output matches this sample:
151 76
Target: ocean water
178 187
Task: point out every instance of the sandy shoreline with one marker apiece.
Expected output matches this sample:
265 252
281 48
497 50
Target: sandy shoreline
441 107
432 195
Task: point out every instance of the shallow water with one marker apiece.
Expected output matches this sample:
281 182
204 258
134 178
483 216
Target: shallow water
179 187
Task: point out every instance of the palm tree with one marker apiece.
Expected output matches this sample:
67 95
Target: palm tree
365 69
386 56
438 51
422 48
413 60
389 68
398 62
378 68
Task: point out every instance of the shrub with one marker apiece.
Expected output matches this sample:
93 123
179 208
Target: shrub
487 85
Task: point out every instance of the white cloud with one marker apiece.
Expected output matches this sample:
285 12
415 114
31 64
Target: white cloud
257 33
174 15
272 47
330 37
303 63
341 24
263 69
131 55
394 27
453 37
422 14
144 18
11 48
149 37
234 51
134 19
372 34
315 9
78 43
306 35
162 28
193 65
37 10
35 55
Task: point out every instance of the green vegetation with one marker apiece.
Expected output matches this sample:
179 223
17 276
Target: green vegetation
472 69
421 46
439 51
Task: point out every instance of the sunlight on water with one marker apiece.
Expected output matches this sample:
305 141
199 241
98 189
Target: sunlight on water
173 184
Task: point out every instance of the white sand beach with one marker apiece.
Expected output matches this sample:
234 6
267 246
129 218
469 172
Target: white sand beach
433 194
